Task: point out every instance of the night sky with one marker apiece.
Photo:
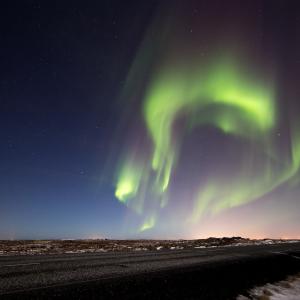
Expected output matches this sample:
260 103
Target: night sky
150 119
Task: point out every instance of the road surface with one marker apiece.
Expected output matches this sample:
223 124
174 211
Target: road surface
215 273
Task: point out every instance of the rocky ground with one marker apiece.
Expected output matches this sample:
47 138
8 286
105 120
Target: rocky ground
36 247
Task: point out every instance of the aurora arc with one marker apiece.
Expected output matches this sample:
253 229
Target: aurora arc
222 92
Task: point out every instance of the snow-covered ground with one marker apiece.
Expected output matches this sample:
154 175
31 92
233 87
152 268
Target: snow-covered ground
288 289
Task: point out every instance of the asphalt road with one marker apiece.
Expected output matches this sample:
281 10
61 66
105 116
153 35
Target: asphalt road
215 273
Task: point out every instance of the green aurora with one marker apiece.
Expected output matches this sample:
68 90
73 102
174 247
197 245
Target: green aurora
220 91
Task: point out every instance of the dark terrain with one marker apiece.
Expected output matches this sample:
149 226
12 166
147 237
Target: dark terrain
211 273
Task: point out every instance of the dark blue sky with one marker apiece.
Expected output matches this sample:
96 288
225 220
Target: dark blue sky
64 124
62 68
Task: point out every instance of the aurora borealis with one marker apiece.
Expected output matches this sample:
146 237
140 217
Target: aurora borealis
151 119
184 90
